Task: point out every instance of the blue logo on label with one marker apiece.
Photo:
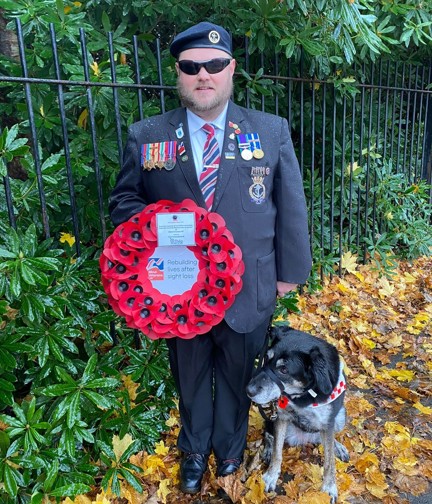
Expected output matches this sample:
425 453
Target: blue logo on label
155 262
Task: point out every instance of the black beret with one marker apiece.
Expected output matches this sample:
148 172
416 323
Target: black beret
203 35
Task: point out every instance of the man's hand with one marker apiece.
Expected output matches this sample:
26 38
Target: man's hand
284 287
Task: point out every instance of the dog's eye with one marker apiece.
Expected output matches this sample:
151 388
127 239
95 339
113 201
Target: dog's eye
283 369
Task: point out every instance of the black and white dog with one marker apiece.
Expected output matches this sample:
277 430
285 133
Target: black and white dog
302 376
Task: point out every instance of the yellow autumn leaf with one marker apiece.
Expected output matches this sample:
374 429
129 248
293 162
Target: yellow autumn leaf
151 464
423 409
163 490
130 386
256 421
256 487
314 498
349 262
396 427
406 463
365 461
82 119
79 499
121 445
95 67
101 499
376 482
172 421
351 168
359 276
386 289
368 365
404 375
67 238
161 449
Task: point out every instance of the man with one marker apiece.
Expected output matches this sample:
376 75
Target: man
241 164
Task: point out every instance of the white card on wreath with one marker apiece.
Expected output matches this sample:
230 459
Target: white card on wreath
174 229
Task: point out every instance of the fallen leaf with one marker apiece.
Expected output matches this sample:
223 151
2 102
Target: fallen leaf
121 445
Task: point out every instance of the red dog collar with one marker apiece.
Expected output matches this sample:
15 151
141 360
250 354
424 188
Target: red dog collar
340 388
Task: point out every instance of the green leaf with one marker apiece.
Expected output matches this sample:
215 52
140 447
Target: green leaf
8 5
70 490
69 442
131 479
74 412
36 498
10 136
7 254
102 383
89 369
51 475
4 443
10 481
7 360
15 283
99 400
31 276
58 390
60 9
106 22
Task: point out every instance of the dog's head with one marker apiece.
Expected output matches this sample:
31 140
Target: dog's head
300 361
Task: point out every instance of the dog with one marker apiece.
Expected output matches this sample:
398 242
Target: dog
302 375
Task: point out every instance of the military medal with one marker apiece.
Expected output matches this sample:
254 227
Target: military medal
169 164
170 161
246 154
145 157
258 153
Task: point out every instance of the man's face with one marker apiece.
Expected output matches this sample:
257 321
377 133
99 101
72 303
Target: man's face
205 94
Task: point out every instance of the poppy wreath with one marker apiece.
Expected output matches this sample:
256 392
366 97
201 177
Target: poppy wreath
124 260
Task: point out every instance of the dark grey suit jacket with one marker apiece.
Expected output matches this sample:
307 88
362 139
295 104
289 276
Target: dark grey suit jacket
273 234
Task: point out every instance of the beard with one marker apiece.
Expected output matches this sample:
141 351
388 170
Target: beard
195 105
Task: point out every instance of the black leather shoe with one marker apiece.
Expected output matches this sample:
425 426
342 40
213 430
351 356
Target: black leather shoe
192 469
228 466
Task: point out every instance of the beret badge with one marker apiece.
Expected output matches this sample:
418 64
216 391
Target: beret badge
214 37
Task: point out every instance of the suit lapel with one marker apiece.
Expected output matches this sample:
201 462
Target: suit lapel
227 166
188 166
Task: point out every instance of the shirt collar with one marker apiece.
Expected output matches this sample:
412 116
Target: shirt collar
195 123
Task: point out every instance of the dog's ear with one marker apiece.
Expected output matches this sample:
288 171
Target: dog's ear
278 333
320 371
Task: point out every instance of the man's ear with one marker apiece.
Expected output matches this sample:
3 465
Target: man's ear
177 68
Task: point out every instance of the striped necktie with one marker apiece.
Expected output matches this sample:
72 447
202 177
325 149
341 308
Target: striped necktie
211 160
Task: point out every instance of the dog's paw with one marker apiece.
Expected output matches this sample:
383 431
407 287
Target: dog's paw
341 452
270 479
331 489
268 448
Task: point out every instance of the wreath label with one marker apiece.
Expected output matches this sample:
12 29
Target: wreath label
132 265
172 270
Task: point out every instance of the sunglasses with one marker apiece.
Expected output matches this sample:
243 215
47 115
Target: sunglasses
212 66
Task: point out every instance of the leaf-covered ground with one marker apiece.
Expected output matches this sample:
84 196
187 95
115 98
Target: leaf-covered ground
382 328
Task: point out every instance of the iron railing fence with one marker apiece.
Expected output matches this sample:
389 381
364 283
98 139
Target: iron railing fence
347 131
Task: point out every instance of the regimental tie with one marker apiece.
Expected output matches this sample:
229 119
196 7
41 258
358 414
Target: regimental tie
211 160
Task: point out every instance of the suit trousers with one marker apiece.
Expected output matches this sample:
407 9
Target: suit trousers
211 372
